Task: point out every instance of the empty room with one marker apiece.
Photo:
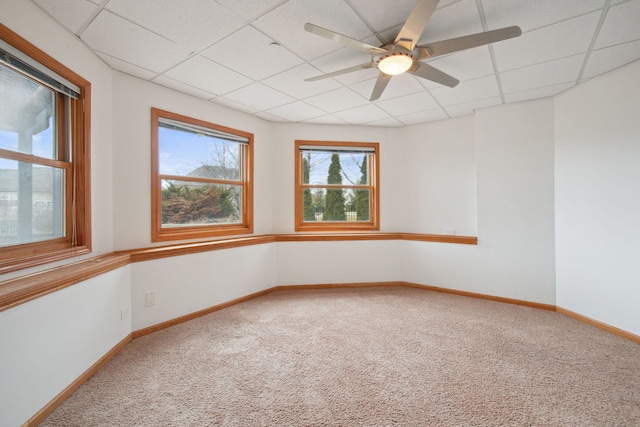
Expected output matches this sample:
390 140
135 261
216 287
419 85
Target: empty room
319 213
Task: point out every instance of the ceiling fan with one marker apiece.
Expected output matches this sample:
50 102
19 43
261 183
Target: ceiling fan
403 55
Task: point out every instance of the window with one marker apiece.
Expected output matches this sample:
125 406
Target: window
202 178
44 157
337 186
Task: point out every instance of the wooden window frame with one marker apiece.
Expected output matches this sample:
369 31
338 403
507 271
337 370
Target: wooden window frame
77 239
374 187
160 234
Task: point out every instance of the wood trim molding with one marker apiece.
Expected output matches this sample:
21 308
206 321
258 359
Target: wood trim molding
71 388
600 325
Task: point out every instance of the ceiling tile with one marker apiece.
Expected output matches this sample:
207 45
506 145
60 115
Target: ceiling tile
182 87
383 14
250 9
546 74
269 117
470 107
607 59
556 41
401 85
423 116
472 90
113 35
72 14
389 122
234 105
337 100
408 104
529 15
464 65
259 96
292 82
364 114
285 24
620 25
459 19
329 119
193 24
296 111
542 92
207 75
127 68
249 52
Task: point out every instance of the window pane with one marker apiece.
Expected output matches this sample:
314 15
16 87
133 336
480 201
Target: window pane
194 203
28 110
322 168
31 202
187 153
326 204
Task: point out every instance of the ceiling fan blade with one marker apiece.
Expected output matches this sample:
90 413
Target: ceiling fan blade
381 84
425 71
339 72
467 42
414 26
343 40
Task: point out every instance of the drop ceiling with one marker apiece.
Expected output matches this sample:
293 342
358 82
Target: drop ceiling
253 55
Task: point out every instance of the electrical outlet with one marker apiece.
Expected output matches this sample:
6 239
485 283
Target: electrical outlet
124 312
450 231
150 298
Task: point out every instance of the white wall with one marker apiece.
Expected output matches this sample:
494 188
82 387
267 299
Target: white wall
514 258
598 198
133 100
189 283
47 343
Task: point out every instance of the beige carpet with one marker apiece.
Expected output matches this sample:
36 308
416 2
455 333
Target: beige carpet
366 357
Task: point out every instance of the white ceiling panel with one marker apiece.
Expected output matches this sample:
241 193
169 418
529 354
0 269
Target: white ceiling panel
541 75
113 36
471 107
607 59
296 111
469 91
620 25
423 116
221 50
364 114
408 104
292 82
465 65
543 92
182 87
529 15
251 53
328 119
193 24
552 42
337 100
457 20
127 68
383 14
250 9
207 75
285 24
72 14
398 86
259 96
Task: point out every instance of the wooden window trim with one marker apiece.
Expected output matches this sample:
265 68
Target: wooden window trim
374 177
159 234
77 240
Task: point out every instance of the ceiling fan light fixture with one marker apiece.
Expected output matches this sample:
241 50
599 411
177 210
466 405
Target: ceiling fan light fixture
395 64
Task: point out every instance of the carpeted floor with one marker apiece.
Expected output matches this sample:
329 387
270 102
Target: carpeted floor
366 357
